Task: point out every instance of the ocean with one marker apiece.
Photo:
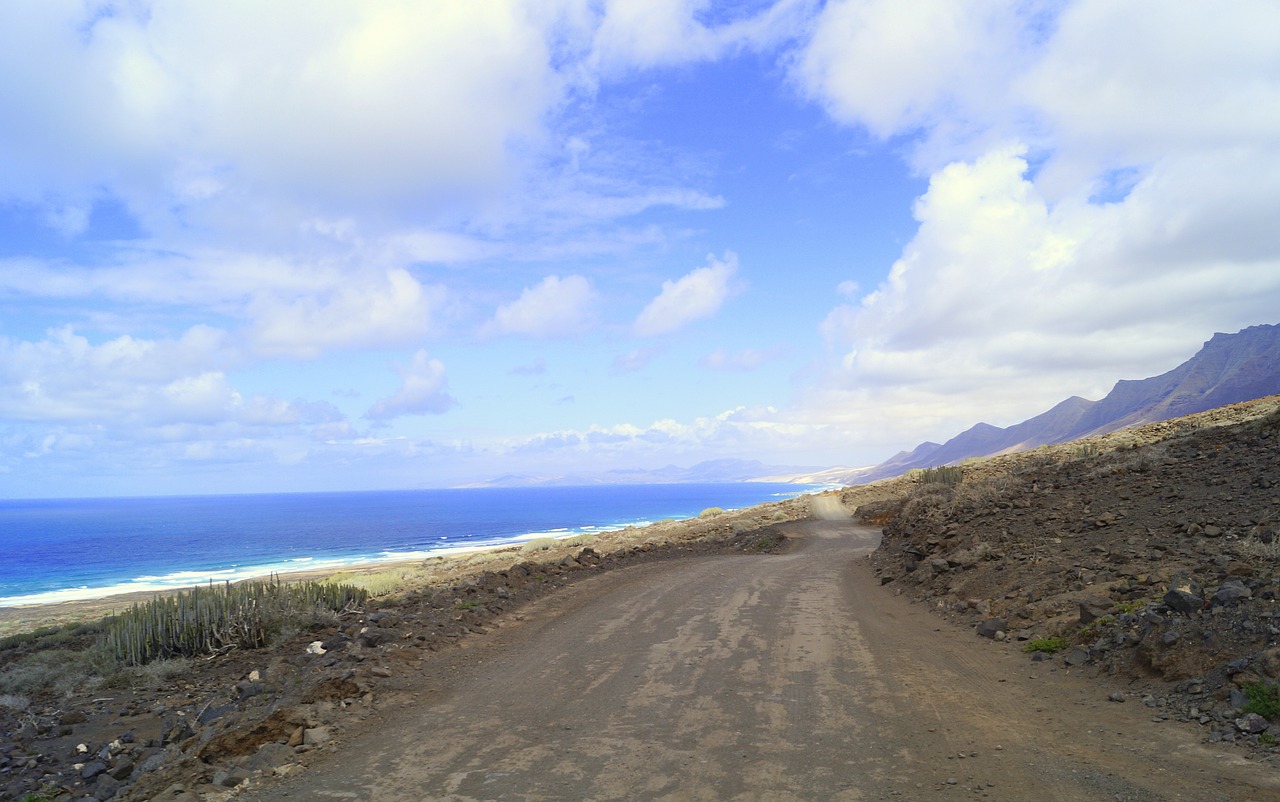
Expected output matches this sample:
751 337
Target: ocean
55 550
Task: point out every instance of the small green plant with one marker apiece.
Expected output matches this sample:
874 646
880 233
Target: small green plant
1266 739
1264 699
46 794
1090 629
1133 607
469 604
949 475
1050 645
711 511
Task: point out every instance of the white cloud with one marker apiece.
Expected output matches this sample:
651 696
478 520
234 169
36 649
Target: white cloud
894 67
1002 304
746 359
314 101
649 33
423 391
1141 227
693 297
636 359
554 307
391 309
131 389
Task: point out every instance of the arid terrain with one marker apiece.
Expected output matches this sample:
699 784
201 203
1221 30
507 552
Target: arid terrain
756 655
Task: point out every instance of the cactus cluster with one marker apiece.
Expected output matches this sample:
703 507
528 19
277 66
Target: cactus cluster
213 618
949 475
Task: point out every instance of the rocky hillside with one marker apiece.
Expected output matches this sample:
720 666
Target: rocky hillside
1151 554
1230 368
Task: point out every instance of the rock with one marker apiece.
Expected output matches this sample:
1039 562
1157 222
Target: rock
373 636
316 736
1237 698
93 769
229 779
1076 657
269 756
106 787
1268 662
1116 696
1231 593
1183 601
296 738
1213 531
1092 611
316 647
1252 723
122 769
991 626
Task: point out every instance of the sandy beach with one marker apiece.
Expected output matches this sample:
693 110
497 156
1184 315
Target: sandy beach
441 570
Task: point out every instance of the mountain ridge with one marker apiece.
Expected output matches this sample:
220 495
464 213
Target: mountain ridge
1228 369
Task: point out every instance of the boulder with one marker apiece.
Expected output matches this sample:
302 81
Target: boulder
991 626
1076 657
1252 723
1231 593
1183 601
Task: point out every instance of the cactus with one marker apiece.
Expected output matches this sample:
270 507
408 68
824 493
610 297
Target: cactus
950 475
212 619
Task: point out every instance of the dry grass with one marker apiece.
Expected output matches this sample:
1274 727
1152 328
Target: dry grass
539 544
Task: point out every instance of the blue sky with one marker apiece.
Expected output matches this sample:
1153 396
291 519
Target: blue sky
318 245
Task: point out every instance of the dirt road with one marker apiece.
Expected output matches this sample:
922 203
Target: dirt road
758 677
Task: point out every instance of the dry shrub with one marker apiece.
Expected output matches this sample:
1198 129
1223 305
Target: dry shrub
539 544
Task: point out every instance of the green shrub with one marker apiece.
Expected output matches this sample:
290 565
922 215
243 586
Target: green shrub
711 511
1049 645
207 620
1264 699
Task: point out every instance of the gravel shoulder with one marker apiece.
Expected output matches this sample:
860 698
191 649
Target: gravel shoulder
769 677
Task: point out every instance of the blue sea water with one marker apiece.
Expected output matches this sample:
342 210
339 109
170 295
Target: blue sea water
63 549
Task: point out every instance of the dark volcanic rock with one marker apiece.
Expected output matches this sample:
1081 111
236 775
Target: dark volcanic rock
1182 601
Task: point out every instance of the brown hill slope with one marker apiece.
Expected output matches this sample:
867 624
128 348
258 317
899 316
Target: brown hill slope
1151 554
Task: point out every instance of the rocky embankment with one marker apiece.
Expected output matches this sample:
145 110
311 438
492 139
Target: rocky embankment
1150 556
192 730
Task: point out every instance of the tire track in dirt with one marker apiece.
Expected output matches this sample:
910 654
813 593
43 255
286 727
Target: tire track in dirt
752 677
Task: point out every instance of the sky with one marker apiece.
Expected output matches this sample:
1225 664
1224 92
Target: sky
294 246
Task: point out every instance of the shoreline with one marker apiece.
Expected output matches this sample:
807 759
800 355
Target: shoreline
427 569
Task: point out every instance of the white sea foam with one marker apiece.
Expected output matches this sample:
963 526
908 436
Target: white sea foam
456 544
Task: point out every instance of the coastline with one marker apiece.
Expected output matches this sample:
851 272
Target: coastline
438 569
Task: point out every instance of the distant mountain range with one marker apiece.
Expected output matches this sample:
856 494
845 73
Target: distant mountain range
1230 368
